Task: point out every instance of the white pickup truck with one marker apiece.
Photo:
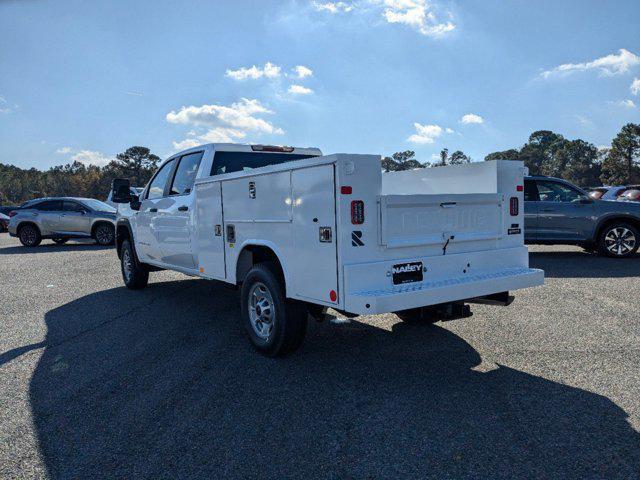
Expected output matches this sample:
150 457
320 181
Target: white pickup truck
300 232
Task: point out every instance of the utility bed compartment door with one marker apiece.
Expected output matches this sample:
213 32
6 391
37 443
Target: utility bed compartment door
314 263
413 220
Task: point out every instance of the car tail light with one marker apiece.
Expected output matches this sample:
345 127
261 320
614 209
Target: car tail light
357 212
13 213
514 206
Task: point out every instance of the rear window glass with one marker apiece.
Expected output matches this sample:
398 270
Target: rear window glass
227 162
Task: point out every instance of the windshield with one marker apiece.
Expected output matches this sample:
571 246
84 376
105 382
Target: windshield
98 206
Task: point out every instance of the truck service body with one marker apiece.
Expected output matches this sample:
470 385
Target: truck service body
335 231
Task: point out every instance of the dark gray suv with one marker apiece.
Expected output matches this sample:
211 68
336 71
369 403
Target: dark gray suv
61 219
557 212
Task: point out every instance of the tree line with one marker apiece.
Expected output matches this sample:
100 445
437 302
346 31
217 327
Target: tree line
551 154
75 179
545 153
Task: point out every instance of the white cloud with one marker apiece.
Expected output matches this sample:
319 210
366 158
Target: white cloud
3 102
302 72
186 143
416 14
471 118
88 157
240 115
426 133
333 7
448 130
225 123
613 64
299 90
268 71
63 150
584 120
635 86
625 103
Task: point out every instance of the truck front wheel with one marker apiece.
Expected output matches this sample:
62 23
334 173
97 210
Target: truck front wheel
276 326
135 275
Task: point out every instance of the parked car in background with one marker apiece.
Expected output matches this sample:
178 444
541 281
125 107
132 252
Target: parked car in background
61 219
630 196
132 190
4 222
614 192
597 192
6 209
557 212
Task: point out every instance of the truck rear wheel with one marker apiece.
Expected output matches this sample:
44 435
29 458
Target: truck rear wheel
134 274
276 326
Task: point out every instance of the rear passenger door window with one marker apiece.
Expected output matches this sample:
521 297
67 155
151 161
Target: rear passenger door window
50 206
185 174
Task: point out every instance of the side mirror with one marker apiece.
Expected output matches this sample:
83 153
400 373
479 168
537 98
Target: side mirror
121 190
586 200
135 202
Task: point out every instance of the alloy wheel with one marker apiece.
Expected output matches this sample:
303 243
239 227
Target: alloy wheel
619 241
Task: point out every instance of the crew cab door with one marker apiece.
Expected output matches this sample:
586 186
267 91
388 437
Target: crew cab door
175 220
147 217
314 265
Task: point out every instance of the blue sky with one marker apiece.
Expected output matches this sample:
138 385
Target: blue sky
85 80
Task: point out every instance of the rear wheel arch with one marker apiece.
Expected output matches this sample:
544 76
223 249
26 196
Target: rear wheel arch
253 254
607 222
22 224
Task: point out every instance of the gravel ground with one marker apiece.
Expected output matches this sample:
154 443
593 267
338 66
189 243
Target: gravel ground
99 381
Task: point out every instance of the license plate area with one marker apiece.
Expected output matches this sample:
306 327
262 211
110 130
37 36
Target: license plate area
407 273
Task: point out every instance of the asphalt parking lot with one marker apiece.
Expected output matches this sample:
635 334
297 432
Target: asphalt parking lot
100 381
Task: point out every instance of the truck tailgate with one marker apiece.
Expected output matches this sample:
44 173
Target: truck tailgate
414 220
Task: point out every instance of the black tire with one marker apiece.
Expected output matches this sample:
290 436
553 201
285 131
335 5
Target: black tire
287 327
104 234
134 273
417 315
60 241
29 235
618 240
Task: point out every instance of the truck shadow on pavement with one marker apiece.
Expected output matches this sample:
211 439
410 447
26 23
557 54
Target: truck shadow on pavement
563 264
162 383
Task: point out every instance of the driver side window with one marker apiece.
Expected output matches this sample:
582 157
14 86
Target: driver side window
557 192
159 182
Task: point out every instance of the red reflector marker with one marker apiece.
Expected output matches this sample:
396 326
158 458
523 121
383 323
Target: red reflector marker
357 212
333 295
13 213
514 206
346 190
520 188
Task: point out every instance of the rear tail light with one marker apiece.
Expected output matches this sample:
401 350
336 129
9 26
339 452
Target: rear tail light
13 213
514 206
271 148
357 212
